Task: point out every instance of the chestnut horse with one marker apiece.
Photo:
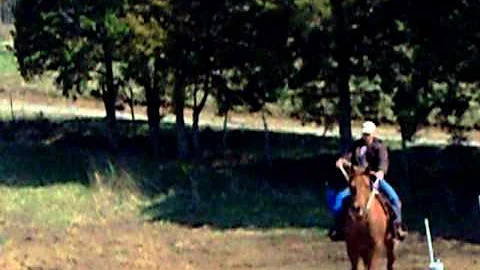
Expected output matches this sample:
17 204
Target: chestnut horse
368 231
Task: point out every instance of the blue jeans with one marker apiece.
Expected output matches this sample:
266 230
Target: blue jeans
335 200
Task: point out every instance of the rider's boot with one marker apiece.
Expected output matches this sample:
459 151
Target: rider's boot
400 229
336 232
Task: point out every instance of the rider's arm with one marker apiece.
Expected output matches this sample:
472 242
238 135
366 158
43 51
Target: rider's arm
383 158
346 157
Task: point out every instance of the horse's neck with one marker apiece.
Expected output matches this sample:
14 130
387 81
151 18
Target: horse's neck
378 206
382 203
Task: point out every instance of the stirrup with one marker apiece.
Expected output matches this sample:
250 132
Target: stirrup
400 231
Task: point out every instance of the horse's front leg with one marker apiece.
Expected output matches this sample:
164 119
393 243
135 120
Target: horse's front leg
373 259
353 255
390 245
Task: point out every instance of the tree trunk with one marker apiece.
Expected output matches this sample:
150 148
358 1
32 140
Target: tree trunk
268 149
409 186
342 55
225 131
153 108
195 124
194 182
131 104
179 98
197 109
11 107
110 96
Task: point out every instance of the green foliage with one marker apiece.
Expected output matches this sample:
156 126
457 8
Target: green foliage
397 58
405 62
145 63
206 48
68 37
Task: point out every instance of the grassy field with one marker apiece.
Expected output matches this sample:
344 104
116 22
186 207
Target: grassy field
68 203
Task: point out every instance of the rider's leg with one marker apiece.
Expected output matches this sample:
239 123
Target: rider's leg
336 232
392 195
330 196
339 199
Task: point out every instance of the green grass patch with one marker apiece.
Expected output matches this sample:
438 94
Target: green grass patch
49 186
8 63
60 205
57 205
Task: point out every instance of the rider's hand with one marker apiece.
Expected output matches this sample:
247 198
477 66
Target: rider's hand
340 162
379 175
376 185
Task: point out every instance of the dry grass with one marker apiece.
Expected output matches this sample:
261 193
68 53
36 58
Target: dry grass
131 245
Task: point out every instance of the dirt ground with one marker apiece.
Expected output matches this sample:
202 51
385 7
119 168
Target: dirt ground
136 245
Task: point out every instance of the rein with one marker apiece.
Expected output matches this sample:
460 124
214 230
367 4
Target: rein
372 194
366 209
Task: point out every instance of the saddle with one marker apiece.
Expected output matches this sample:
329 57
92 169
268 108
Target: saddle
388 208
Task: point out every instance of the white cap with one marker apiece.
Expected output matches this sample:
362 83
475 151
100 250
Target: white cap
368 127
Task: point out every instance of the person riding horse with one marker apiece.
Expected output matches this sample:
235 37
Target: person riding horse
366 151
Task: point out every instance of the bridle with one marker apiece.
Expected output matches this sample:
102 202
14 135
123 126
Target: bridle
374 190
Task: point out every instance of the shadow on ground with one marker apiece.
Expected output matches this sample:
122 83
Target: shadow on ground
236 188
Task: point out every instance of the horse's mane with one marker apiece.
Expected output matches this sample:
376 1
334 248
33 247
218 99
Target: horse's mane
359 171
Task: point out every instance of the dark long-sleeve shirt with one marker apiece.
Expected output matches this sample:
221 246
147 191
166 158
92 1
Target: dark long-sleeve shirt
374 155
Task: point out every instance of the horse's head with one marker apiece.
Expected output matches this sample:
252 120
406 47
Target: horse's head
360 189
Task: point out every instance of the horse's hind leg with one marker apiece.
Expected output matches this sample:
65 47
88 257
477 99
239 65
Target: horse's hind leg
390 245
373 258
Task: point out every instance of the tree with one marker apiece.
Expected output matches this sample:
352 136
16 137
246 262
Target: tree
80 40
342 57
213 45
146 63
404 52
314 96
423 58
330 53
